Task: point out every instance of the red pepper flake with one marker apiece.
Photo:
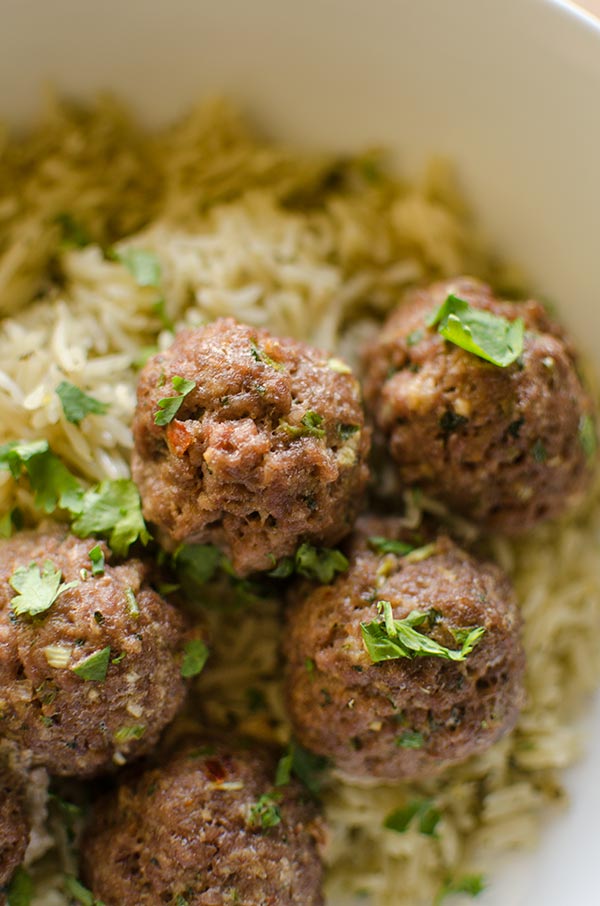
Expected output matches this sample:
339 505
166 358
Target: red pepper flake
215 769
179 437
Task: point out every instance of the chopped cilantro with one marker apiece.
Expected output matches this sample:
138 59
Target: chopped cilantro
16 454
80 894
539 452
195 655
160 310
310 426
20 889
392 639
265 812
389 546
113 508
587 436
410 739
491 337
415 337
96 555
145 353
37 589
338 366
74 234
126 734
169 406
472 885
308 767
283 773
53 484
347 431
93 668
259 355
196 564
132 604
319 563
7 524
142 264
420 810
77 404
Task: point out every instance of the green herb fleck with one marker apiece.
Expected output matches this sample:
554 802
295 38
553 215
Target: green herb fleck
195 655
587 436
347 431
321 564
338 366
196 564
144 354
37 589
415 337
93 668
81 894
143 265
265 812
20 890
491 337
283 773
74 234
132 605
259 355
96 555
421 811
389 546
539 452
472 885
113 508
160 310
169 406
392 639
308 767
76 404
410 739
126 734
310 426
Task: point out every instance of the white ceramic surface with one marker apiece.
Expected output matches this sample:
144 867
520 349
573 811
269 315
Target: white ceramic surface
509 88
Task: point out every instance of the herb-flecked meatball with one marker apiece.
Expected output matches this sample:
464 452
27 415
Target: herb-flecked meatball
505 446
406 717
90 673
264 448
14 823
208 828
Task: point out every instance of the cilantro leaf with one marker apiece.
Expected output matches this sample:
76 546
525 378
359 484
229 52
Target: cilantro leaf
310 426
169 406
422 810
489 336
587 436
392 639
52 482
80 893
259 355
20 890
77 404
410 739
472 885
319 563
15 454
196 564
37 589
307 767
143 265
94 668
96 555
389 546
195 655
265 812
127 734
74 234
283 773
113 507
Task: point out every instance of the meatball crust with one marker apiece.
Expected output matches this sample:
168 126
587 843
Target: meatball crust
72 725
503 446
403 718
14 823
267 451
191 829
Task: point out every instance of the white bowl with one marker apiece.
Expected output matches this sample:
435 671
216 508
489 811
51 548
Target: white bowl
509 89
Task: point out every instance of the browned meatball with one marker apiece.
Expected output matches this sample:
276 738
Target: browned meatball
266 451
207 829
78 716
404 718
506 447
14 823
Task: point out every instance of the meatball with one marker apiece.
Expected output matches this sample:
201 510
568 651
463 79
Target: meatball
266 451
14 823
207 828
403 718
505 446
93 678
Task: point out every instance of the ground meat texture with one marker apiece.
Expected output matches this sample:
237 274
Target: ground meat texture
506 447
267 451
403 718
191 832
71 725
14 824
